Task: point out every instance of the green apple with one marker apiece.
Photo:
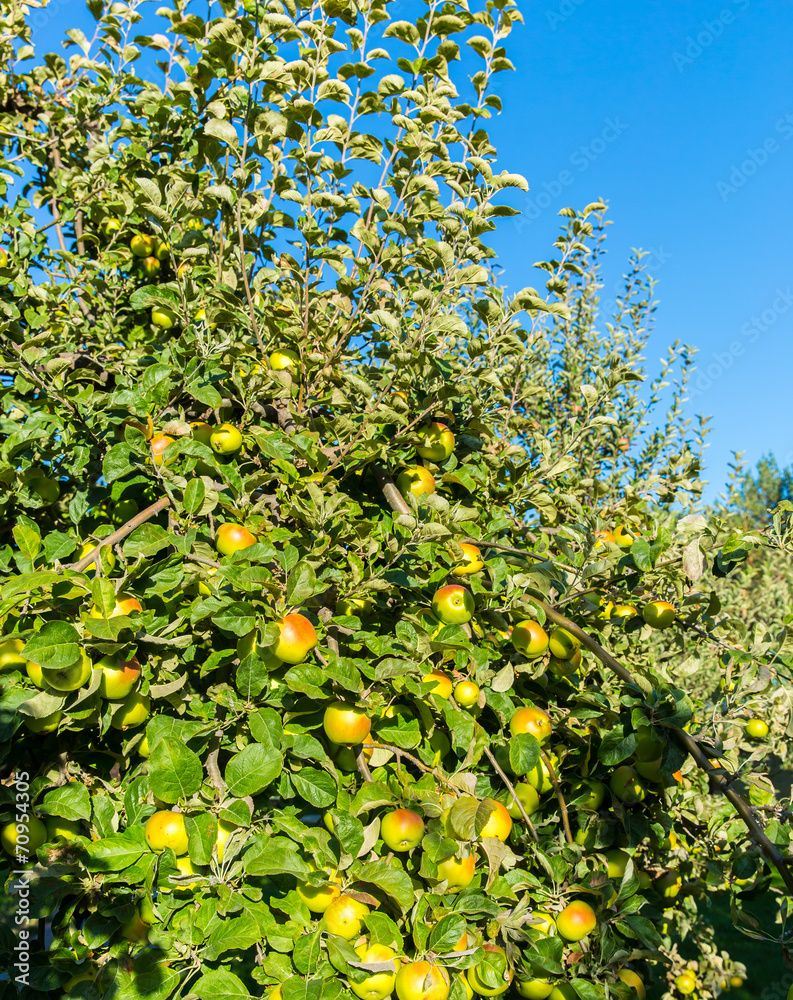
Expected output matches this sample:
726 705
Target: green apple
72 677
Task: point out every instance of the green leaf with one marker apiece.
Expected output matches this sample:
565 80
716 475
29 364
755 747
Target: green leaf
194 496
70 801
524 753
252 770
394 882
276 856
238 618
616 747
146 541
302 584
175 772
27 536
446 933
223 130
316 787
113 853
57 645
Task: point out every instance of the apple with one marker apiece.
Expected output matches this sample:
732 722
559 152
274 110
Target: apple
184 270
110 226
402 830
283 358
576 920
225 830
528 796
437 443
530 638
119 676
11 654
686 982
166 828
588 794
150 266
659 614
353 606
162 249
415 480
603 538
319 897
106 555
534 989
378 985
344 917
47 724
422 981
66 828
472 562
624 536
623 612
565 668
45 489
457 872
125 605
479 986
736 983
650 770
630 978
563 991
347 725
225 440
756 729
531 720
231 538
541 924
142 245
297 637
69 678
143 747
201 431
157 445
3 258
132 711
648 745
36 673
540 777
441 684
668 885
185 867
617 862
83 977
136 928
563 644
163 316
28 836
626 786
453 605
498 825
466 694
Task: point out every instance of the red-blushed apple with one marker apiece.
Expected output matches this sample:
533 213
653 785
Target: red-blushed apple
402 830
297 637
530 638
231 538
119 676
415 480
437 443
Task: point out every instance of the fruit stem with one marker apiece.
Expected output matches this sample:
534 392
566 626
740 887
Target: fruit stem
414 760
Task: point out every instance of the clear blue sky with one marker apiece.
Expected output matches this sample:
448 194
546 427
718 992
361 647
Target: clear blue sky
674 111
680 114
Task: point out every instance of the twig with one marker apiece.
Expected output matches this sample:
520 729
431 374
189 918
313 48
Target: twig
213 771
562 804
126 529
363 767
515 799
414 760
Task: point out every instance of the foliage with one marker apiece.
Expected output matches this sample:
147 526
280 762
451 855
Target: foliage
290 193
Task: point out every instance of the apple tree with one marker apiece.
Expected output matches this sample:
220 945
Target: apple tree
362 632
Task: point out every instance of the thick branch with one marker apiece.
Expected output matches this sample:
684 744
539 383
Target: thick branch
586 640
117 536
394 498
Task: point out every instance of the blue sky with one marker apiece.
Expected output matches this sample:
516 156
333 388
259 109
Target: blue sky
679 113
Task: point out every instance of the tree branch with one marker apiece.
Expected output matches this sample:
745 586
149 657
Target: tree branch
502 774
126 529
394 498
562 804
